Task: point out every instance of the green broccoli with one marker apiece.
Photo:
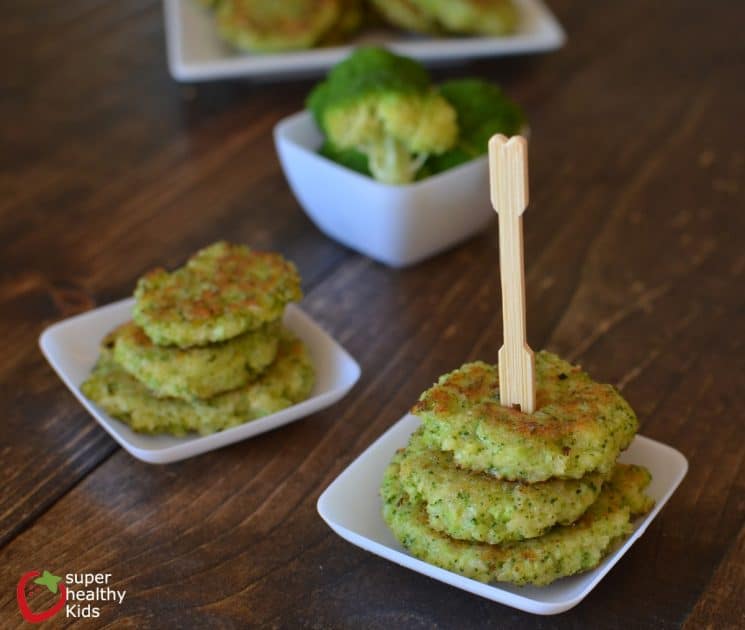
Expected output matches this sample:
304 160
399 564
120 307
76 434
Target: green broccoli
483 110
351 158
383 106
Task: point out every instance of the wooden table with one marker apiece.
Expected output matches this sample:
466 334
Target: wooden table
636 269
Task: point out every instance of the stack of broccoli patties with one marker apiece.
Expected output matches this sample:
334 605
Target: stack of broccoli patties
207 349
499 495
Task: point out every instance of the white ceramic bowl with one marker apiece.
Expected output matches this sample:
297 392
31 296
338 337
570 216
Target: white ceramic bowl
396 225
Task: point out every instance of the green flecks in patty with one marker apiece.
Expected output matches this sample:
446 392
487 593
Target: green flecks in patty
579 426
198 372
563 550
287 381
407 14
223 291
475 506
495 17
268 25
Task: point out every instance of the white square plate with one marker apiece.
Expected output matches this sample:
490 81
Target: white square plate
72 345
196 52
351 506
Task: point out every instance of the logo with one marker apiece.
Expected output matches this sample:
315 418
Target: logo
79 594
48 580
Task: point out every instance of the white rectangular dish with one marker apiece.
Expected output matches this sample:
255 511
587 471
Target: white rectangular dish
72 346
351 506
396 225
196 52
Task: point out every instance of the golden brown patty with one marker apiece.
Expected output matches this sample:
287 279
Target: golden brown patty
475 506
564 550
407 14
351 17
198 372
472 17
579 426
271 25
285 382
223 291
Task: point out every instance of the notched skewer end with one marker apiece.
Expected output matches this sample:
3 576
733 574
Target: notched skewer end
508 173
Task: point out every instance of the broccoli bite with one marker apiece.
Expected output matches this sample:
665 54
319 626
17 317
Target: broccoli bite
482 110
198 372
472 17
473 506
563 550
579 426
222 291
287 381
263 25
407 14
384 107
351 19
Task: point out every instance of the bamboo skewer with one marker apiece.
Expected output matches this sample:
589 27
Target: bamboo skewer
508 175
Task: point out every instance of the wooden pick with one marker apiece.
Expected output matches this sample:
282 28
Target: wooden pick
508 175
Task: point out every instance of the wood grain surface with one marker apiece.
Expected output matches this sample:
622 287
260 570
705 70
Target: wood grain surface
635 267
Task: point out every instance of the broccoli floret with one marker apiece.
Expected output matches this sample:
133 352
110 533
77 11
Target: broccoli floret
350 158
383 106
483 110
